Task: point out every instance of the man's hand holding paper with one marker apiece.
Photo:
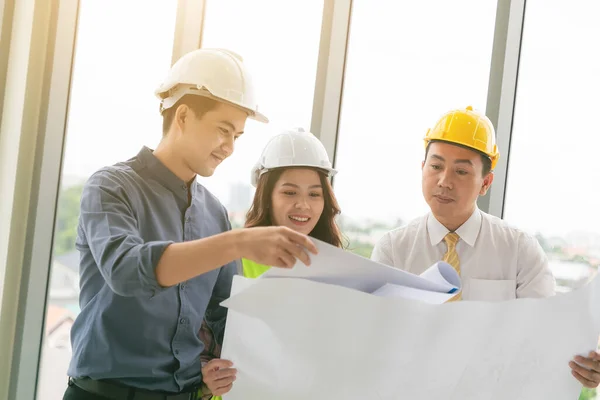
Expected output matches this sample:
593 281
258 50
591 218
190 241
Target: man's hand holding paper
587 369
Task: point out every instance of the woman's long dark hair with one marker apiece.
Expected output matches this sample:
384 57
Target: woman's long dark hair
326 228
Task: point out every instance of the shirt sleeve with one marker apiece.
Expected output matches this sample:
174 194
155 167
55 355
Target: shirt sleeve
216 314
382 252
534 277
109 225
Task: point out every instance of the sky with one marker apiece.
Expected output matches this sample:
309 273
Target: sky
408 63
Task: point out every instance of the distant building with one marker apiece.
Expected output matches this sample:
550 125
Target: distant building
240 197
237 219
556 242
586 240
58 326
64 280
63 307
56 353
570 275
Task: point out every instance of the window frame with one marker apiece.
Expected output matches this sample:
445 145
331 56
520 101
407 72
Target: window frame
41 47
502 91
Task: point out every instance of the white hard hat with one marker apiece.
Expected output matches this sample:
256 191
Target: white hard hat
216 73
293 148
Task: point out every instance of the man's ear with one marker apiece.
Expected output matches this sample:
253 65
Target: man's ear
487 182
422 164
181 116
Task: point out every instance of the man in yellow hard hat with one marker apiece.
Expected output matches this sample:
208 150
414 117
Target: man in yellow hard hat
496 261
157 250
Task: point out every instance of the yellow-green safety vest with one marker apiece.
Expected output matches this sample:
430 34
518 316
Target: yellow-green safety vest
250 269
253 269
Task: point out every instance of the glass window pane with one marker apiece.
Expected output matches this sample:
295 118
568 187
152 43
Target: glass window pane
120 59
553 170
279 40
408 63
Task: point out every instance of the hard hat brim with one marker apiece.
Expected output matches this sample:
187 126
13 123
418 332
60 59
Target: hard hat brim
257 116
172 100
493 157
258 170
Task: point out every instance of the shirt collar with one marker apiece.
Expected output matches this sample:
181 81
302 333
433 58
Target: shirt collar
468 231
163 174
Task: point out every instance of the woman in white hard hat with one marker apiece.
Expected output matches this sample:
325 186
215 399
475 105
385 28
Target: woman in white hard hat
292 190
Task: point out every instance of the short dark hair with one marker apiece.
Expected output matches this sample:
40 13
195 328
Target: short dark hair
199 104
485 160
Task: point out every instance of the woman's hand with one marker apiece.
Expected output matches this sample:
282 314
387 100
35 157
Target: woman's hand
218 376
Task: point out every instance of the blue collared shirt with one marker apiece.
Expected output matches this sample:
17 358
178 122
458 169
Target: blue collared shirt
130 329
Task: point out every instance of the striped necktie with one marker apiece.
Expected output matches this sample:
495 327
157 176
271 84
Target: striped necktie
451 256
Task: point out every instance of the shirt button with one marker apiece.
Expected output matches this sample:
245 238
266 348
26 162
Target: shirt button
176 351
184 187
182 286
187 219
182 320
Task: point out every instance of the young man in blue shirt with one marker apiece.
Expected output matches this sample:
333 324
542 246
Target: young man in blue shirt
157 250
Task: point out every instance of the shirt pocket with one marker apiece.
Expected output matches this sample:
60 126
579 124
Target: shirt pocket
490 289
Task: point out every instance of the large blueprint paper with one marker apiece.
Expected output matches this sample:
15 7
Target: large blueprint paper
295 338
298 339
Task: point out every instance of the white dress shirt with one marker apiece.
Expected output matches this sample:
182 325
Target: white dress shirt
497 261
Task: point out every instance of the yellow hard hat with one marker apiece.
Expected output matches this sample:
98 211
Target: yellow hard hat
467 128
